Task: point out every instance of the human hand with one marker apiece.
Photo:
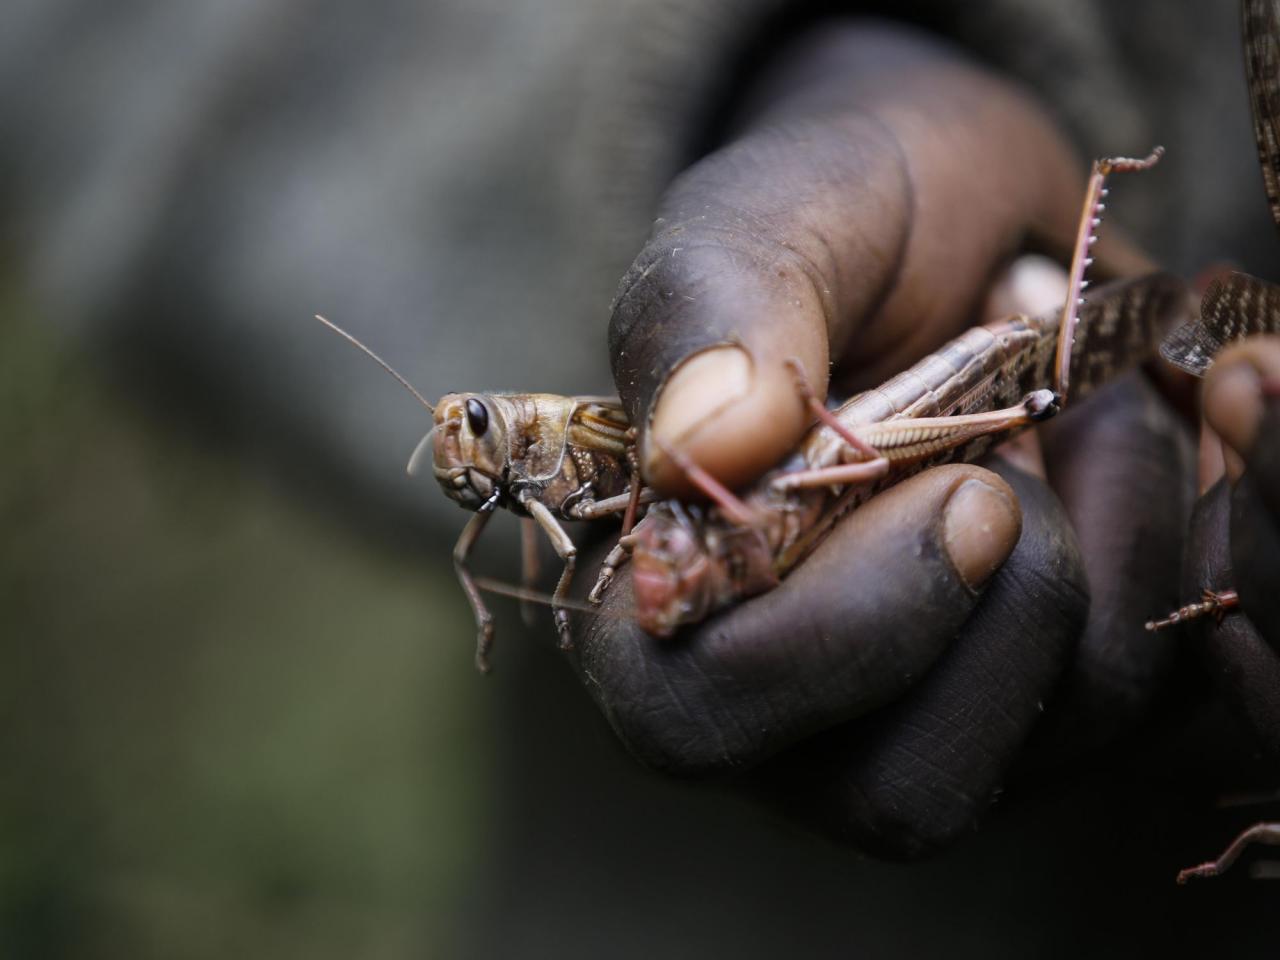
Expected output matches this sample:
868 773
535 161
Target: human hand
1235 535
857 221
860 218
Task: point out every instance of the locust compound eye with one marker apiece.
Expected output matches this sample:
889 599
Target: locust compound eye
477 416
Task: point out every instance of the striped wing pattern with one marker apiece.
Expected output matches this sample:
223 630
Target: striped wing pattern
599 424
1261 29
1239 305
1235 306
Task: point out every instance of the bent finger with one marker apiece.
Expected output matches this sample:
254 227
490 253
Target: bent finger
848 631
1245 668
1124 465
858 218
1241 404
912 777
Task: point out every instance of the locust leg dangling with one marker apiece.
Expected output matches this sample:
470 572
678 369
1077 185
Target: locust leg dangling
621 551
1268 833
1215 603
567 552
882 445
903 441
461 554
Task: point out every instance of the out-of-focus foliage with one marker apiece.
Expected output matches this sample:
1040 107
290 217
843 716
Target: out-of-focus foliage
227 726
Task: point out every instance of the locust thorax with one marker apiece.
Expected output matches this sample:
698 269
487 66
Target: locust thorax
468 447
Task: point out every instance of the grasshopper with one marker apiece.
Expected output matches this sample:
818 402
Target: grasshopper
690 561
545 457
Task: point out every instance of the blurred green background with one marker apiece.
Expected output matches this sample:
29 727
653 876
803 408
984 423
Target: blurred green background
238 712
228 727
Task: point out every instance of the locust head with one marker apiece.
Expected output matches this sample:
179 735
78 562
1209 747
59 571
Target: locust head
684 569
467 441
468 445
672 576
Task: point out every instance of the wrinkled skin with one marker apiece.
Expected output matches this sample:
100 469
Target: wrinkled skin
1235 543
857 217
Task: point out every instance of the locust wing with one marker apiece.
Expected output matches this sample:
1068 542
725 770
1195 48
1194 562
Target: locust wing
1235 306
1238 305
1261 31
599 424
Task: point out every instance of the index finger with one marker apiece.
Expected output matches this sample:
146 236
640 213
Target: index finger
856 219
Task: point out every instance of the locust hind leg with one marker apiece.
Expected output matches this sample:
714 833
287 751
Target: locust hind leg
1215 603
1268 833
461 554
826 416
840 474
567 552
912 439
875 465
1086 234
872 468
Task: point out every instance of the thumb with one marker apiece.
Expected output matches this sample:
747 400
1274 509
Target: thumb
857 218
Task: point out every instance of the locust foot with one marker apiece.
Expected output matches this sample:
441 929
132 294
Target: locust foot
484 643
1215 603
562 628
1268 833
609 568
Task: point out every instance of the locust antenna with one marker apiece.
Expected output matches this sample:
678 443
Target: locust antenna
1090 220
502 589
379 361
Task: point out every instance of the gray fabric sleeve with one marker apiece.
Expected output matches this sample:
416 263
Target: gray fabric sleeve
462 183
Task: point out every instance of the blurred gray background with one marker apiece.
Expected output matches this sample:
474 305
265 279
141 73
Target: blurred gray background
237 710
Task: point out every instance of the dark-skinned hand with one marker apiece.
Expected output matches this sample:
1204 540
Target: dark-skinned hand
874 189
1235 535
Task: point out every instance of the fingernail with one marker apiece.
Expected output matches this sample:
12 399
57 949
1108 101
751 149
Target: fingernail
1233 404
697 390
981 526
